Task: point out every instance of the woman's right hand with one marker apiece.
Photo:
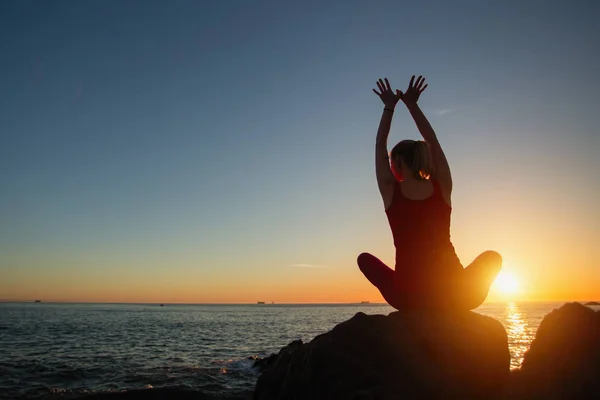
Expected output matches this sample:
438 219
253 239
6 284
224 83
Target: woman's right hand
387 96
414 90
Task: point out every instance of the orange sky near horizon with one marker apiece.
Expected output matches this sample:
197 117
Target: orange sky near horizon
550 265
331 284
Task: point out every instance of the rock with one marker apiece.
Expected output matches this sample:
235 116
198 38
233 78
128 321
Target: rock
592 303
563 361
405 355
263 363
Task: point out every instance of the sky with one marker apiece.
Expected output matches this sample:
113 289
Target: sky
223 151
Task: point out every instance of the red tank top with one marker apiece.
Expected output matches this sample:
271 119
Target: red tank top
421 231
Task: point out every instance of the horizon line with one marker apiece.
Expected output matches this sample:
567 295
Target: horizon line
262 303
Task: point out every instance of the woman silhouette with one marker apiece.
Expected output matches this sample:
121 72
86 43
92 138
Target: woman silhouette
416 186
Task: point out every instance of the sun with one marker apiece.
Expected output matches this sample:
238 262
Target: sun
506 283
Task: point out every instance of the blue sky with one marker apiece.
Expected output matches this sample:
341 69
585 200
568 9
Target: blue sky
227 141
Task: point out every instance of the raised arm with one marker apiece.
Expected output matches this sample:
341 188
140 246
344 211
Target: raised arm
385 177
440 164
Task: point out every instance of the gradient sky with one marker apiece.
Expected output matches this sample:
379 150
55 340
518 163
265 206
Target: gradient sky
222 151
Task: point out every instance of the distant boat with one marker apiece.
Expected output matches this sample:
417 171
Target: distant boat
364 302
162 305
38 301
261 302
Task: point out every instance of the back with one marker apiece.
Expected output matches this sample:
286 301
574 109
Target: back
421 230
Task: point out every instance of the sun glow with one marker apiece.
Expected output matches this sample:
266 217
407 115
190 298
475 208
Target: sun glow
506 283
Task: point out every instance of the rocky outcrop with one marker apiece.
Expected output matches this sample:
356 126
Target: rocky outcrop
264 363
563 361
405 355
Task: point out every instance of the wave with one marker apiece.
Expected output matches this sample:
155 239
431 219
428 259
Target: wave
149 393
231 379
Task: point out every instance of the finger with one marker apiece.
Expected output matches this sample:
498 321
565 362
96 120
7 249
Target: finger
399 94
423 88
411 81
380 86
419 81
387 84
377 93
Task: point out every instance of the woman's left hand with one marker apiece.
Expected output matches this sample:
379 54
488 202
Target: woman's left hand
387 96
412 94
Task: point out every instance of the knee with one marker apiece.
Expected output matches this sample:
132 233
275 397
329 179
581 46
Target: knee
363 260
493 259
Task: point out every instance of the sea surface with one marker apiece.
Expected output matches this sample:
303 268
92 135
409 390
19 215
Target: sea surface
58 350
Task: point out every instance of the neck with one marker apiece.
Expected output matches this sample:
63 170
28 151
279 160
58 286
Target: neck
408 177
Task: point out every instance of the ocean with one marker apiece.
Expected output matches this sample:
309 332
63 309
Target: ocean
60 350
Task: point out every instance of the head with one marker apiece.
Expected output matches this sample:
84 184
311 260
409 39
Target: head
412 157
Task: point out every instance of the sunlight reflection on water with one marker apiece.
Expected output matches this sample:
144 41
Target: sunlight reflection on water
519 333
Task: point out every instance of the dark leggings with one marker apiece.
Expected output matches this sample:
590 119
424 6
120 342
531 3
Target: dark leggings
466 292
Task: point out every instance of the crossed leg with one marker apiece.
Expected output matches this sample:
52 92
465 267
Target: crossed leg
467 294
477 279
380 275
